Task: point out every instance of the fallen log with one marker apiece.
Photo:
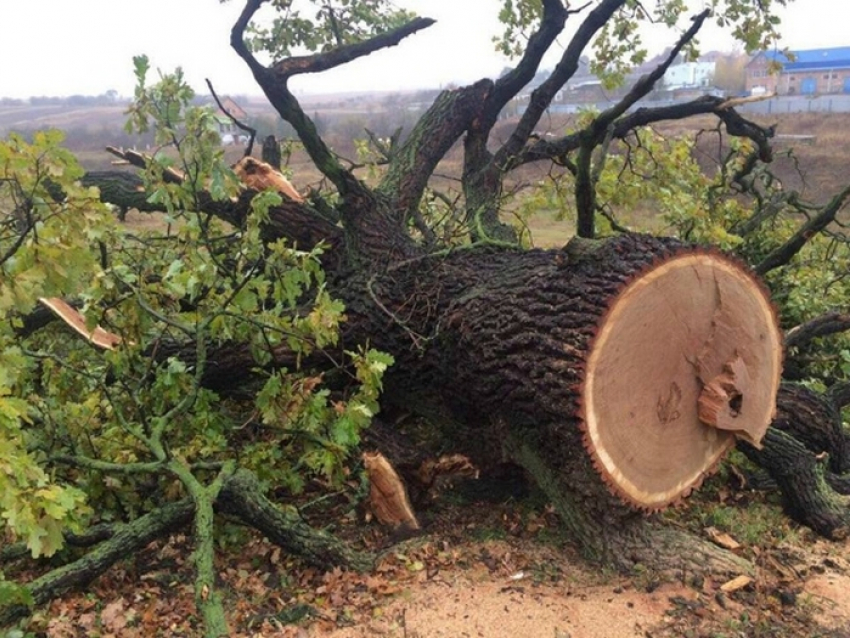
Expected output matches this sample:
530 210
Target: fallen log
588 366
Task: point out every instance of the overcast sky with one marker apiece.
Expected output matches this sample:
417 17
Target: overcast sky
65 47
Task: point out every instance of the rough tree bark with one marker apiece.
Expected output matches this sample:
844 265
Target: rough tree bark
507 343
562 360
807 453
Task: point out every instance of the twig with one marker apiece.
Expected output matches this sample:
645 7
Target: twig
248 129
416 338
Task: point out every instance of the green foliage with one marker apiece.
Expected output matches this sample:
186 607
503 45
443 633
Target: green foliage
313 26
520 18
134 425
49 229
13 594
619 44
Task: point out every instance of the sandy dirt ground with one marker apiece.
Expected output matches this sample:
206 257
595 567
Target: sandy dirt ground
811 597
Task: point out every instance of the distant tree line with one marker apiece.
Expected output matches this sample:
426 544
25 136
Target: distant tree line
109 98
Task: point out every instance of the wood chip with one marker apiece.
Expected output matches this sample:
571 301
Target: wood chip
261 176
722 538
735 584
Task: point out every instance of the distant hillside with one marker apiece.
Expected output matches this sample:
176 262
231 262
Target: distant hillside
61 116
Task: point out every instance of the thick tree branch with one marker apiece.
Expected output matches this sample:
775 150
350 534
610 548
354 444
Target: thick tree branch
120 188
274 85
242 496
551 149
646 83
506 87
602 128
482 176
295 221
828 324
564 70
434 134
373 236
802 481
785 253
348 53
126 541
839 395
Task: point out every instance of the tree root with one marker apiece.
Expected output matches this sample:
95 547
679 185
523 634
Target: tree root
614 535
815 421
672 551
805 452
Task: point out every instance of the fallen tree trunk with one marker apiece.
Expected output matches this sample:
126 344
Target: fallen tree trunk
619 373
591 366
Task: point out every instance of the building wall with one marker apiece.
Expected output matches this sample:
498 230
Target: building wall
831 103
759 78
793 82
689 74
821 82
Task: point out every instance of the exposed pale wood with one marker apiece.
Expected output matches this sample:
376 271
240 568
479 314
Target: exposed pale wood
721 403
735 584
722 538
71 316
688 357
260 176
738 101
143 160
388 498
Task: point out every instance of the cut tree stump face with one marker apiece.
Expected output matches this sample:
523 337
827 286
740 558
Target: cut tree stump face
687 357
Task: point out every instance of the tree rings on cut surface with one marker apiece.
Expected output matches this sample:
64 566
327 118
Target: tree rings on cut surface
687 357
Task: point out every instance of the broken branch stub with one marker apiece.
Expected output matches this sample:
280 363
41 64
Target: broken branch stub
71 316
388 498
721 403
